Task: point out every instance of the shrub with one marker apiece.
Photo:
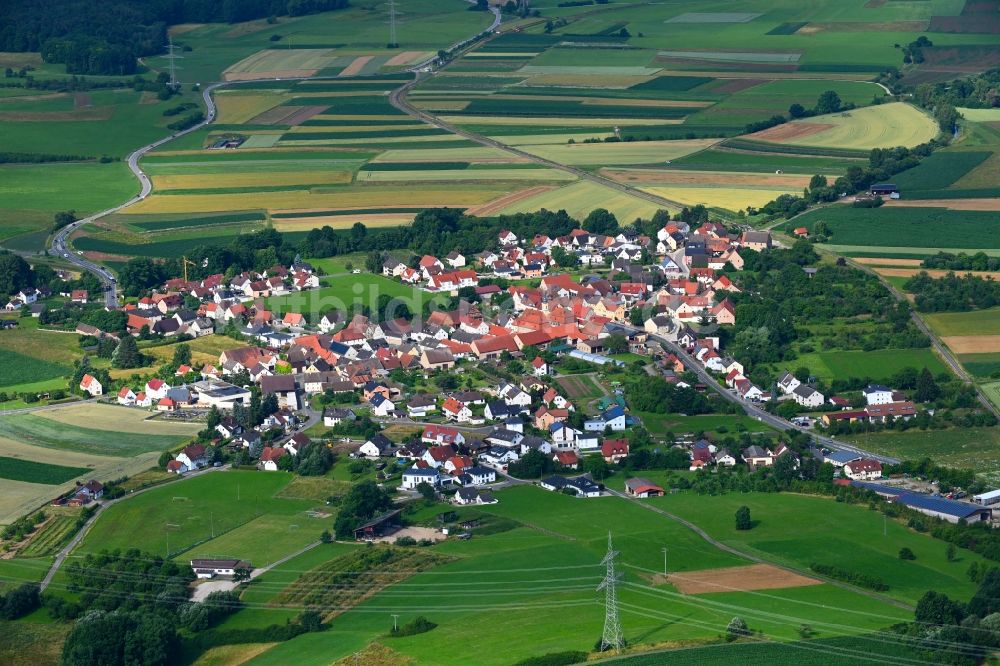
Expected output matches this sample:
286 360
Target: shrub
906 554
421 625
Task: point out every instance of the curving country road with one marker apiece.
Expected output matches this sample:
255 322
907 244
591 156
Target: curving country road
757 412
60 241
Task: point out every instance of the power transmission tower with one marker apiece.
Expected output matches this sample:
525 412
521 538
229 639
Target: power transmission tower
171 57
612 638
392 25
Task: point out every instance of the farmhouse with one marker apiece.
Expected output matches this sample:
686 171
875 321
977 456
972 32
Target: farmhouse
863 469
213 568
90 385
193 456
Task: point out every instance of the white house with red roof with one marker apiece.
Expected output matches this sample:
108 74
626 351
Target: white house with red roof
863 469
435 434
90 385
126 397
156 389
539 367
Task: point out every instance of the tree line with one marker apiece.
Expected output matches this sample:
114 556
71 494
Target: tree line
953 292
108 37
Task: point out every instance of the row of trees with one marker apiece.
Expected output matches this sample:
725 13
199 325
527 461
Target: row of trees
953 292
107 37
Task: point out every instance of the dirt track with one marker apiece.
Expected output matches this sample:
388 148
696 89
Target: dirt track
495 206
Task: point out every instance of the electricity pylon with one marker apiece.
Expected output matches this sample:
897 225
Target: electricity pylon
612 638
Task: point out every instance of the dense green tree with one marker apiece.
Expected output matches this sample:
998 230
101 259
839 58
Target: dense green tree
935 608
127 354
182 355
927 389
15 274
362 502
828 102
601 221
743 521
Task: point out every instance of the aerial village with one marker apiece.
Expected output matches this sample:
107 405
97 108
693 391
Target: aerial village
510 306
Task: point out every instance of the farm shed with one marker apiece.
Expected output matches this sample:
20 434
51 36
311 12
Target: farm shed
884 189
380 526
987 499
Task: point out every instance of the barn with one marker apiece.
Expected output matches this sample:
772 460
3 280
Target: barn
884 190
379 526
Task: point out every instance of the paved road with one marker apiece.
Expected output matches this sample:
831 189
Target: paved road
75 541
754 558
756 411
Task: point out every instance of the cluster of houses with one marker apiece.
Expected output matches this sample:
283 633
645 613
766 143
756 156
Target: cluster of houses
883 405
196 307
280 429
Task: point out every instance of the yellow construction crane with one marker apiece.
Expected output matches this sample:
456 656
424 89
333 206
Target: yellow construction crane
184 264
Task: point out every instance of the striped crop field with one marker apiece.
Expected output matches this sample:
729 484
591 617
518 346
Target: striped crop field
578 199
466 175
305 199
239 180
644 152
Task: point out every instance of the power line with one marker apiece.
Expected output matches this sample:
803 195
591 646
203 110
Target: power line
611 639
393 43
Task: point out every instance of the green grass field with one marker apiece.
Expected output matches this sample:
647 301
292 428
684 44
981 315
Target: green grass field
36 472
47 433
660 424
879 365
903 227
799 530
528 578
15 367
976 322
345 293
238 507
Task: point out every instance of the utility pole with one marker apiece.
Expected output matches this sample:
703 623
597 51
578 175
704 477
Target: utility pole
392 25
395 625
664 561
211 519
612 638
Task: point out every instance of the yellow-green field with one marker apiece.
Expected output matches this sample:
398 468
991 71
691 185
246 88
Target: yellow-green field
485 175
121 419
447 155
580 198
604 154
306 199
370 220
980 115
881 126
239 106
604 123
730 198
236 180
281 62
